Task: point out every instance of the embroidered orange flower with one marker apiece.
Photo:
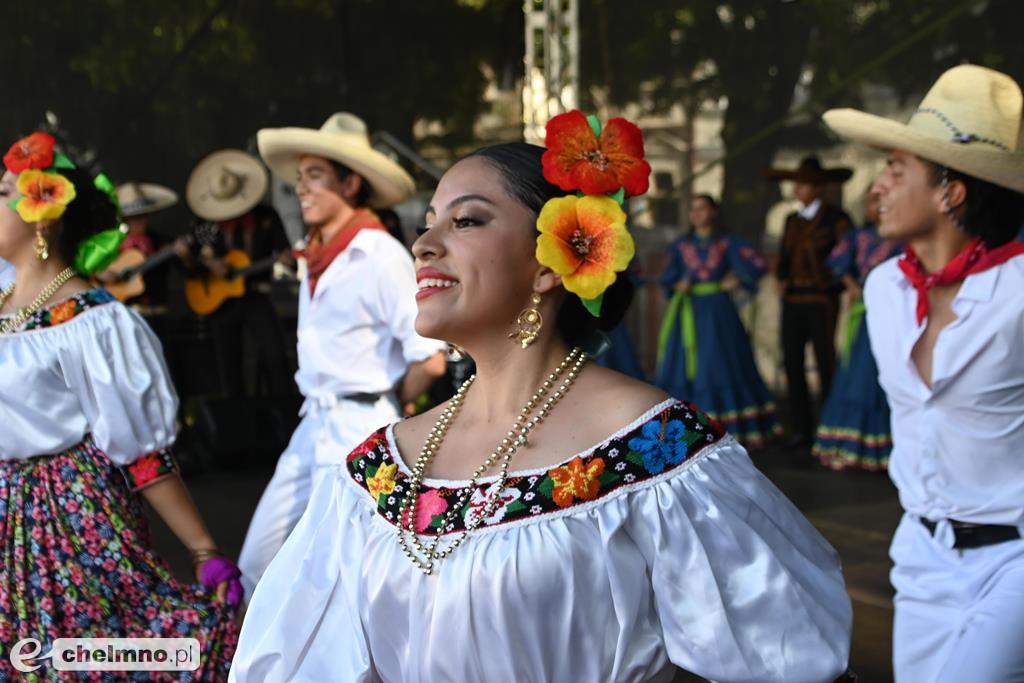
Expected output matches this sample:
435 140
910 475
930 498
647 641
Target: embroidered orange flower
34 151
62 312
579 159
585 240
44 195
383 481
576 480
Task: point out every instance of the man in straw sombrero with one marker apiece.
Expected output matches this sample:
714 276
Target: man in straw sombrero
946 323
359 355
225 189
139 202
810 296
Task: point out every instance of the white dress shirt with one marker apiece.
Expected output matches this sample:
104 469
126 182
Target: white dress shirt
810 211
958 448
6 273
356 333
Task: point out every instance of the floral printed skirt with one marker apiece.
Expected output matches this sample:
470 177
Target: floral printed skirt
77 561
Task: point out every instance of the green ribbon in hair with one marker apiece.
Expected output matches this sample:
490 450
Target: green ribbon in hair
854 318
681 304
104 185
99 251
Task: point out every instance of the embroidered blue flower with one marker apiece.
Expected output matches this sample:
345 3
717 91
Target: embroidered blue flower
660 450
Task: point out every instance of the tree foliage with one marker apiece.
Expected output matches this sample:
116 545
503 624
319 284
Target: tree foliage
766 57
154 86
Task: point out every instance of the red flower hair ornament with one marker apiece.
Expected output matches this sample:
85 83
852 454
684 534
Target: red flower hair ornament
584 238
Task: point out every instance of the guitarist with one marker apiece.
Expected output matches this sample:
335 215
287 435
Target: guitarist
139 203
359 355
225 190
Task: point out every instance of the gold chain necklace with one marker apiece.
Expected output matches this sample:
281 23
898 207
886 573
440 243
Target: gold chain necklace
13 323
429 554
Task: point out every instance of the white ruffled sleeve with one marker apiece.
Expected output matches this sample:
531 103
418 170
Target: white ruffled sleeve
121 380
303 621
745 588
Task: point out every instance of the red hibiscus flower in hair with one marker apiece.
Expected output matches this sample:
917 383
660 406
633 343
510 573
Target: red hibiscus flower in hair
582 156
34 151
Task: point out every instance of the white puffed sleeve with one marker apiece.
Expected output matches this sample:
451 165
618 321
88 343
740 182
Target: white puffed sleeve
303 621
120 378
745 588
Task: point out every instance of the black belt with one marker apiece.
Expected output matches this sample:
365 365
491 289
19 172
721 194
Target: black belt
969 535
362 398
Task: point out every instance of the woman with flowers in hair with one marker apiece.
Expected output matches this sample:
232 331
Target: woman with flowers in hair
555 520
88 415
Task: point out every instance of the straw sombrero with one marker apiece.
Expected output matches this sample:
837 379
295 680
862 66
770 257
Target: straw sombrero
342 138
225 185
969 121
810 170
138 199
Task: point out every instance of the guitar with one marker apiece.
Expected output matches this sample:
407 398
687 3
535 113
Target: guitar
206 293
127 270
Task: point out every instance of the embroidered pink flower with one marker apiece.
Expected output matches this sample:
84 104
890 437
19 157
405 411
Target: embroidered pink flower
427 505
145 470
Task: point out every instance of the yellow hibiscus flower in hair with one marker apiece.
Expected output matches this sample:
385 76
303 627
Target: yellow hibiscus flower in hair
585 240
44 195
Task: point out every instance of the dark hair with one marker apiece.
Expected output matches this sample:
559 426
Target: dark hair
991 212
342 171
90 212
708 198
522 177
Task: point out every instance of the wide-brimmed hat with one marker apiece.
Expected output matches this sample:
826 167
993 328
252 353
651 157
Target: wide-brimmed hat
342 138
810 170
138 199
225 185
969 121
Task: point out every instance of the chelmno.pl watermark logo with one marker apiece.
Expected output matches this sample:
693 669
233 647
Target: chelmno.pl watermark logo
109 654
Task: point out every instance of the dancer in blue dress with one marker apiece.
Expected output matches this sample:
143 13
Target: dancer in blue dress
704 353
854 429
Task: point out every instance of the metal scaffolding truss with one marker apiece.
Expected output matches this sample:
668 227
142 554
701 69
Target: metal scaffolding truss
551 73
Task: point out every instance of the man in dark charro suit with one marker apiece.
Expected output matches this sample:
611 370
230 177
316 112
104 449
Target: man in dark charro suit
810 295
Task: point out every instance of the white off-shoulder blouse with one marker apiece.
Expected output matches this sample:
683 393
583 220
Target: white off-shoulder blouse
85 367
661 547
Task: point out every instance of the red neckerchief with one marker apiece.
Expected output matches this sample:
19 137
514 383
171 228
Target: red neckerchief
975 258
318 256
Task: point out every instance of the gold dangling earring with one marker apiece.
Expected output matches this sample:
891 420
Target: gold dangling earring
42 246
528 323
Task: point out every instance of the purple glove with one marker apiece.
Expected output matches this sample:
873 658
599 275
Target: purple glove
216 571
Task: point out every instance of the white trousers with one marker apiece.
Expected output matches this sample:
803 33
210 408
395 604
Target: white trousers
324 437
959 613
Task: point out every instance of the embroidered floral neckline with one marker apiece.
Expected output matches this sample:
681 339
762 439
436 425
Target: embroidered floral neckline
673 434
64 310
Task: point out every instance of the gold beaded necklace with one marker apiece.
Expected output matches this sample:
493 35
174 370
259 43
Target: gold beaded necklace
14 322
426 555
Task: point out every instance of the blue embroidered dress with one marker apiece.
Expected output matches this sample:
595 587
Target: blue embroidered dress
854 428
704 352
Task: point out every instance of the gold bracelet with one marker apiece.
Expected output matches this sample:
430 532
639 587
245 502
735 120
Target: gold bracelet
203 554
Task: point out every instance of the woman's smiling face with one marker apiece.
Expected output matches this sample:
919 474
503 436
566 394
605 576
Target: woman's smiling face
475 261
